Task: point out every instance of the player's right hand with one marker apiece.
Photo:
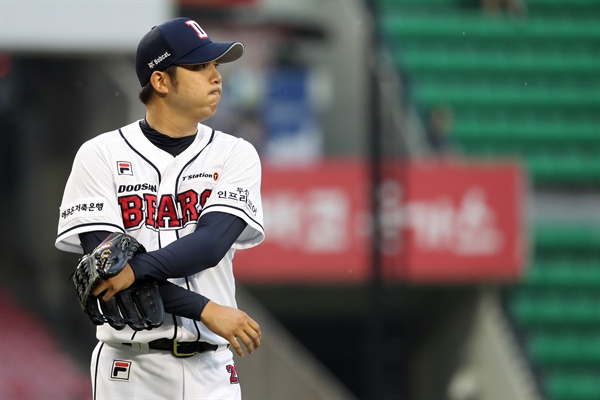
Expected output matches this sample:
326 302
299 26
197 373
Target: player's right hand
108 288
232 324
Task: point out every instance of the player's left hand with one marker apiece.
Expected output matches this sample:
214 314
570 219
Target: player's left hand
232 324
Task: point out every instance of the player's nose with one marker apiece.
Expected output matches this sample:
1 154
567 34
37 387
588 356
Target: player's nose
215 74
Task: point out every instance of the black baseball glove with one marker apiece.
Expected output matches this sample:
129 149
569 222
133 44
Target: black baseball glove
139 306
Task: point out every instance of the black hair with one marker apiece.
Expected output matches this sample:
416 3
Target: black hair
148 90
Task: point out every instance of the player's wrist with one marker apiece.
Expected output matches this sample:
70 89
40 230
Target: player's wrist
132 269
206 307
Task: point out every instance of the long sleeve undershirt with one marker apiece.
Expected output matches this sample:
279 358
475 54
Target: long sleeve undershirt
215 234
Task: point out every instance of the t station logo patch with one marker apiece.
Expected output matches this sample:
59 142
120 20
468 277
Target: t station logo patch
120 370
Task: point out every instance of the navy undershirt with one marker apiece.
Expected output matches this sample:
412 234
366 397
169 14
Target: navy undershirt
214 235
173 146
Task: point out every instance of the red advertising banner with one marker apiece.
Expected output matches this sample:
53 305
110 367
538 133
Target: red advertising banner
442 221
457 221
316 223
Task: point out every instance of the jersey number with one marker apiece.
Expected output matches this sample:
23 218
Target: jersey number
233 375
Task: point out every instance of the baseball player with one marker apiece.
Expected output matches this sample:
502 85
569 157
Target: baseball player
191 196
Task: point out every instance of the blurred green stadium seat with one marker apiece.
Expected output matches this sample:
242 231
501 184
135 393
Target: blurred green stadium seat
515 96
546 134
564 274
556 309
570 240
573 385
585 4
518 86
466 62
402 26
557 306
570 348
526 87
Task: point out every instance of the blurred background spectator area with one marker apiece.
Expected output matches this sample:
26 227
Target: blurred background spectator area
431 178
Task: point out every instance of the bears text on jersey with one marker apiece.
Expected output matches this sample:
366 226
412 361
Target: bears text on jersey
166 211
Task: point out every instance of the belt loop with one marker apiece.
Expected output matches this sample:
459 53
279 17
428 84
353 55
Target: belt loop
144 348
138 347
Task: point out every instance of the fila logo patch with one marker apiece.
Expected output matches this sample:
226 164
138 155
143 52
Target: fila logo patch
124 168
120 370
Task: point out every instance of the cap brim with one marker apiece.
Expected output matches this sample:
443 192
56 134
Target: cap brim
223 52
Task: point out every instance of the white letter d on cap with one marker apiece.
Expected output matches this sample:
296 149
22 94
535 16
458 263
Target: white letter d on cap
194 25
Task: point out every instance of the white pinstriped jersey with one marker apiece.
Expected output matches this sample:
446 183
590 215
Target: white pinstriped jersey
122 182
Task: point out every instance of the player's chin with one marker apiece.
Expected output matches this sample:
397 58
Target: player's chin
213 101
212 108
207 112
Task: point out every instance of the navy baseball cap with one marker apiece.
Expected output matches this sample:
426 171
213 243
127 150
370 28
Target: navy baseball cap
180 41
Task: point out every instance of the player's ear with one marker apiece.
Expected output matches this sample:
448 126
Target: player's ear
159 81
